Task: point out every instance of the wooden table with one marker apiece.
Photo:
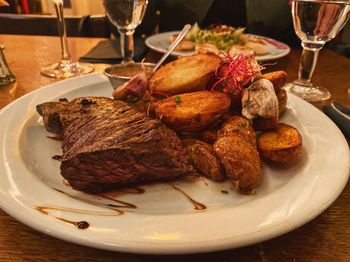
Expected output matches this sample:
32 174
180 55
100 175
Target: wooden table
326 238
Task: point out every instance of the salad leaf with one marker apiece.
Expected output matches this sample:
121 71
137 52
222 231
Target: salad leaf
223 37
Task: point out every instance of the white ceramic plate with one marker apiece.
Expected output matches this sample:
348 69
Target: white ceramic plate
161 42
165 221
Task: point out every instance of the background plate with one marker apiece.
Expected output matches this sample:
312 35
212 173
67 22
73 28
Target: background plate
161 42
165 222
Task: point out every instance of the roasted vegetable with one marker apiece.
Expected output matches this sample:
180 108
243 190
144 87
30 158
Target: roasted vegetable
265 124
134 89
192 111
282 98
236 148
236 100
281 145
278 79
203 158
210 135
260 104
184 75
260 100
238 125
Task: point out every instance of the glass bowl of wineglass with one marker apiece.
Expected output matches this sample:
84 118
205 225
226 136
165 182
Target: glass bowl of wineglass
315 23
126 15
65 68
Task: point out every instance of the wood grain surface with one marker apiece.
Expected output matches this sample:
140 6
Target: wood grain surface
326 238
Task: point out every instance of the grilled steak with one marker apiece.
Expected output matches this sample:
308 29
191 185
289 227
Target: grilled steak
107 143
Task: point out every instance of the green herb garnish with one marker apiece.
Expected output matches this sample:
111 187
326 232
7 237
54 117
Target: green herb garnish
244 124
177 100
224 191
257 134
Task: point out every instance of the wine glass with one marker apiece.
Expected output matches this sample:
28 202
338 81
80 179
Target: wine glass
315 22
126 15
65 68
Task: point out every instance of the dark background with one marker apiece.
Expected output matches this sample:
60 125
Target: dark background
270 18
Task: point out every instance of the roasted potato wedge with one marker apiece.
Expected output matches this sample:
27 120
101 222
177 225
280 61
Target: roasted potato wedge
278 79
237 150
282 100
265 124
192 112
189 135
203 158
280 145
210 135
236 100
241 162
238 125
184 75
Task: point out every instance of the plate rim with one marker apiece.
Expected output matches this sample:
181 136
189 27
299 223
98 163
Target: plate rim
187 53
173 248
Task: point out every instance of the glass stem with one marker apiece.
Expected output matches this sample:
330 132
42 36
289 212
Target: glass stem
62 31
308 62
127 46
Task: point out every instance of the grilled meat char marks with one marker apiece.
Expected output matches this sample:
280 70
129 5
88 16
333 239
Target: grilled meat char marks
58 115
107 143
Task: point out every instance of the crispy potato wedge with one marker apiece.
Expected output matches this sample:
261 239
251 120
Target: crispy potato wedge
238 125
237 150
278 79
282 100
189 135
280 145
184 75
265 124
210 135
236 101
192 112
203 158
241 162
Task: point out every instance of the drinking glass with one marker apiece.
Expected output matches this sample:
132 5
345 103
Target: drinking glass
126 15
315 22
6 76
65 68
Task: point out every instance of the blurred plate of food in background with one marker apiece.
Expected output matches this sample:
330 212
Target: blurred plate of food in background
220 39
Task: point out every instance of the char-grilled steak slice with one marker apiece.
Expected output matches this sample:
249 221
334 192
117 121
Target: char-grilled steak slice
107 143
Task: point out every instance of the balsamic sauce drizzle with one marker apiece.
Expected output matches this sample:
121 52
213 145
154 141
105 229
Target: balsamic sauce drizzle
115 208
79 224
57 157
196 204
123 203
114 194
57 138
109 206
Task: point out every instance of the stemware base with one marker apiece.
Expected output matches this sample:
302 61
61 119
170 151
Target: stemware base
66 69
6 80
308 91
